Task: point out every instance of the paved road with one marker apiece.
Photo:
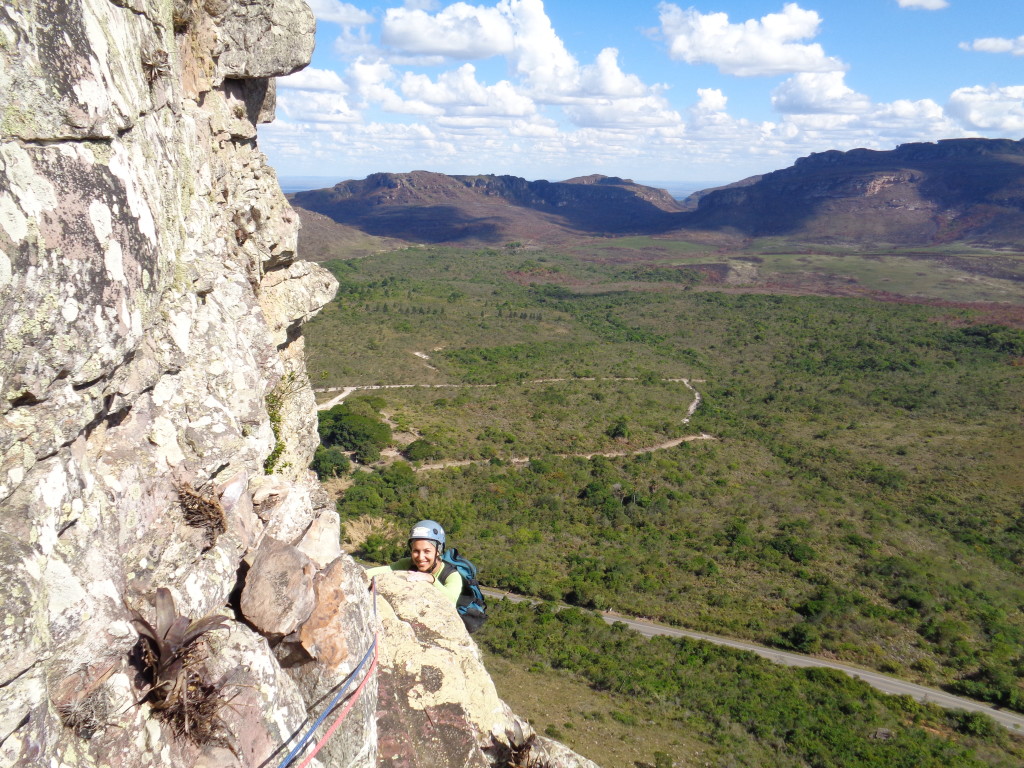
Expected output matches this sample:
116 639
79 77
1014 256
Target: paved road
884 683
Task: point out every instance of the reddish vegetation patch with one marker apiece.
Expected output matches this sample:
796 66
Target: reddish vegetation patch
999 314
713 273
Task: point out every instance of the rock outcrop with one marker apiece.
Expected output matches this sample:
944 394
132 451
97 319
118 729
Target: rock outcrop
437 704
156 422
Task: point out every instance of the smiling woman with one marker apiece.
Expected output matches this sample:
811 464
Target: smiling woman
562 89
426 545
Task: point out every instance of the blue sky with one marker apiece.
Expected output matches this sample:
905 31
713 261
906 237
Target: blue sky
714 91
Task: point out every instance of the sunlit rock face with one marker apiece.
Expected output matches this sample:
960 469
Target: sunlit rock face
152 378
437 704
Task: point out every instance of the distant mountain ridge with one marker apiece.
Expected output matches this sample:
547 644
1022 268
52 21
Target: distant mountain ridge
969 190
423 206
921 193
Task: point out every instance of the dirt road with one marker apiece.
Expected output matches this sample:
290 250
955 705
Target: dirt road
884 683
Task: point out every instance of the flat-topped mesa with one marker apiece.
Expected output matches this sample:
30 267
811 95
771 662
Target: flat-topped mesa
921 194
422 206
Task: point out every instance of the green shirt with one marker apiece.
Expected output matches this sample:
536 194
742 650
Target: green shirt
451 588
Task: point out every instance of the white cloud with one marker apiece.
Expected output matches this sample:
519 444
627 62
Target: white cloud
994 110
353 43
345 14
315 96
459 31
539 56
312 79
996 45
460 93
367 77
628 112
753 47
544 72
534 129
925 5
553 116
711 100
315 107
709 111
371 82
598 94
818 92
605 78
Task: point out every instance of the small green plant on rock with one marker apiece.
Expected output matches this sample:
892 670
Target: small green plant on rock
180 692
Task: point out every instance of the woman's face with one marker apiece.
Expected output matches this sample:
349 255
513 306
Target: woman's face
424 555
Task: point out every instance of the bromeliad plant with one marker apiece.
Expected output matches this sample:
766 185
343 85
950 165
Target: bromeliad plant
171 653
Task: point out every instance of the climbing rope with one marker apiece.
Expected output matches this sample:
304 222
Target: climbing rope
345 710
334 702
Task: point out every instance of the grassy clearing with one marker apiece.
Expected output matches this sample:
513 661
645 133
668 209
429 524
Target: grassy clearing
543 418
645 245
699 705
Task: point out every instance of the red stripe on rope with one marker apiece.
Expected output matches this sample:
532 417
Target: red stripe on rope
348 706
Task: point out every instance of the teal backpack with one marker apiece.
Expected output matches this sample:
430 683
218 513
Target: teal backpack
471 604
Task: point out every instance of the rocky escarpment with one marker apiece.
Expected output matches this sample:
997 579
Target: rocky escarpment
156 422
922 194
433 207
917 194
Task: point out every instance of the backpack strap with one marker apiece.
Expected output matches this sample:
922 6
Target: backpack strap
446 572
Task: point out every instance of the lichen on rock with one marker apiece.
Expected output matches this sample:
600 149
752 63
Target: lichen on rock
437 705
152 302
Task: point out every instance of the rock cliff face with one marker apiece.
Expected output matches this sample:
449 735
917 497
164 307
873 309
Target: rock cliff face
156 421
438 706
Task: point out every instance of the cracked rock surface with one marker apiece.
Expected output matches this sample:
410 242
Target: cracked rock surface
150 363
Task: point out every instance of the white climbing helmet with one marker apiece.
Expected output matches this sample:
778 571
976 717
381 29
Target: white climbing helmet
429 530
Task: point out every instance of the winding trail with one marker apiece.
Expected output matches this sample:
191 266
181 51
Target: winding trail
884 683
344 392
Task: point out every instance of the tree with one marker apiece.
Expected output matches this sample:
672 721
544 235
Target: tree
421 450
329 462
360 433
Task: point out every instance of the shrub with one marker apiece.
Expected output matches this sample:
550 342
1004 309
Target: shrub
360 433
330 462
179 692
618 428
380 549
422 450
